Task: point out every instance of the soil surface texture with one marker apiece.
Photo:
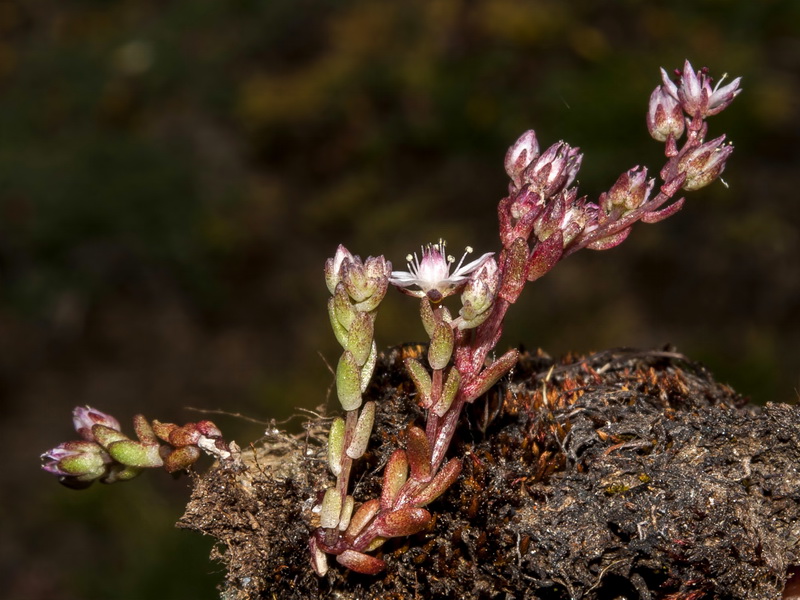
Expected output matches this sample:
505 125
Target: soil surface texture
621 474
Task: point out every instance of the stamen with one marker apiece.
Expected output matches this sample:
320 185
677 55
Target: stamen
467 250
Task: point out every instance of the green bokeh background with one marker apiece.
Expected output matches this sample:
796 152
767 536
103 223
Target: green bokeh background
174 174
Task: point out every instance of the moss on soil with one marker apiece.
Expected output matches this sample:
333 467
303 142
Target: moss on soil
619 474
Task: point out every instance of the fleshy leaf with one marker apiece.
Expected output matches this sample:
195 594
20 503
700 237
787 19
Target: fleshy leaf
368 368
546 255
610 241
406 521
347 512
418 452
331 509
342 308
440 483
514 271
363 516
360 562
449 392
426 314
319 560
491 375
181 458
394 477
143 430
359 339
348 382
422 380
135 454
441 348
106 436
338 329
358 444
659 215
336 446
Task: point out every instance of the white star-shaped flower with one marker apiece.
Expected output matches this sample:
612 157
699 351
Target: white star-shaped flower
431 273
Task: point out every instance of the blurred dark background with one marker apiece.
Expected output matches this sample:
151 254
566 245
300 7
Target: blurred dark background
174 174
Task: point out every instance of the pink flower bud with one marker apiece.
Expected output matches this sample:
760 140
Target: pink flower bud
520 155
629 192
664 116
77 463
333 267
86 417
366 283
696 95
705 163
554 170
479 294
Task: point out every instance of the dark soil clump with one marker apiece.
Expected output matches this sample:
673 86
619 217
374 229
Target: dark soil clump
617 475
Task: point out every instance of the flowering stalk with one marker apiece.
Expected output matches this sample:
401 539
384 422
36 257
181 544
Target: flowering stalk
357 289
542 220
107 455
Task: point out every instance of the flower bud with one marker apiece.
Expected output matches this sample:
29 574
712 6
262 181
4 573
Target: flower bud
554 170
695 94
333 267
629 192
705 163
524 202
366 283
664 116
478 296
377 270
577 216
520 155
83 460
85 417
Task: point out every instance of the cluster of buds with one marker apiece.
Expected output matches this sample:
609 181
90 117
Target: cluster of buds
357 289
675 107
542 220
107 455
546 216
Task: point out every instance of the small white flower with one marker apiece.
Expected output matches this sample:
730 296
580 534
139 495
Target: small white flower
431 274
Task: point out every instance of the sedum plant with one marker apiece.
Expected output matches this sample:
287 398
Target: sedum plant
541 221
